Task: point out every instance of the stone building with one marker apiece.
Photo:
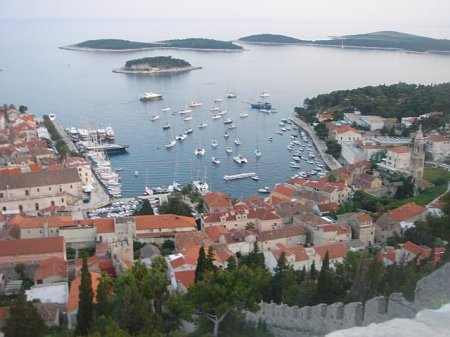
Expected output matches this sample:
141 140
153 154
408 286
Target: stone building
438 146
418 155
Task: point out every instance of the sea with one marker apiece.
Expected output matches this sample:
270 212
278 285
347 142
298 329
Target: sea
81 90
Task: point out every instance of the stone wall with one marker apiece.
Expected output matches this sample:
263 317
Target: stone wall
434 290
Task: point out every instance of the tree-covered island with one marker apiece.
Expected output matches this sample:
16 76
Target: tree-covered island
375 40
155 65
125 45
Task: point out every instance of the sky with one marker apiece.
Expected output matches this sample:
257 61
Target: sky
314 18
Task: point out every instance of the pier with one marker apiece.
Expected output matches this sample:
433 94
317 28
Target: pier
328 159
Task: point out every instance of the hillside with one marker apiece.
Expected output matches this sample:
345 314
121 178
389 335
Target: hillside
161 62
270 38
398 100
122 45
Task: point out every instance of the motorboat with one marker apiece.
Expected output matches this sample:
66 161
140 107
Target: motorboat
215 160
278 132
222 112
109 133
214 143
283 129
226 134
228 121
217 116
199 152
265 110
188 131
270 139
184 111
202 125
181 137
150 96
188 118
256 178
166 126
228 150
258 153
296 158
166 109
240 159
237 142
154 117
294 165
243 115
214 109
84 134
264 95
170 144
231 95
218 100
263 190
195 104
136 173
232 126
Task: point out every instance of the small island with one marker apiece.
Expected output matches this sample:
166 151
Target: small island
116 45
377 40
155 65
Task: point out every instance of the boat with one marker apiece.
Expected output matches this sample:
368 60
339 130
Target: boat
188 131
84 134
188 118
101 133
232 126
270 139
166 126
136 173
264 190
170 144
214 109
74 135
264 95
214 143
258 153
201 186
217 116
240 159
195 104
166 109
181 137
150 96
185 111
261 105
226 134
228 150
202 125
215 160
283 129
237 142
243 115
154 117
265 110
222 112
278 132
218 100
239 176
256 178
199 151
296 158
228 121
294 165
231 95
109 133
176 186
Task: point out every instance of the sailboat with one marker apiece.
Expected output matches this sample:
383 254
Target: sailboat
258 153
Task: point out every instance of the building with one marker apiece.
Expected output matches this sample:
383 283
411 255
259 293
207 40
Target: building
418 155
346 134
367 182
289 235
362 226
33 191
217 202
398 159
438 146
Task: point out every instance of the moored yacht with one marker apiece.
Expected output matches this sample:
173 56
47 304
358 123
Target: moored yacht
181 137
226 134
264 190
170 144
214 143
217 116
215 160
166 126
240 159
154 117
228 150
109 133
150 96
243 115
237 142
202 125
199 151
231 95
258 153
195 104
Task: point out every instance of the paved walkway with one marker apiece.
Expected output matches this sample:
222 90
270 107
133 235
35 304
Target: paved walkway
64 135
329 160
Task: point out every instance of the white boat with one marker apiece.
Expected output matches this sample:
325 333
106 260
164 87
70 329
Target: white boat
228 150
239 176
256 178
264 190
202 125
101 133
188 118
217 116
258 153
279 132
231 95
264 95
226 134
214 143
184 111
109 133
150 96
199 151
166 109
181 137
201 186
296 158
229 120
188 131
243 115
84 134
215 160
195 104
166 126
214 109
222 112
240 159
232 126
154 117
176 186
283 129
136 173
218 100
264 110
237 142
294 165
170 144
74 135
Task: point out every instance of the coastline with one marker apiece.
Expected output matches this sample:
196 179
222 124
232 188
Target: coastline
75 48
155 72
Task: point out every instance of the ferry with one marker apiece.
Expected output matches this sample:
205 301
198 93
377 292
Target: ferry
150 96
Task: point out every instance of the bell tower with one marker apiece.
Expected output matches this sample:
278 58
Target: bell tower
418 155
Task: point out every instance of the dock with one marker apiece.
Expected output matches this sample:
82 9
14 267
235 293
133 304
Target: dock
239 176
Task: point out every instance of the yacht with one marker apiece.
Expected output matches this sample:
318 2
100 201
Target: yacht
195 104
154 117
228 150
109 133
228 121
231 95
201 186
258 153
188 131
237 142
214 109
215 160
188 118
217 116
218 100
181 137
185 111
150 96
199 152
278 132
202 125
214 143
222 112
240 159
256 178
101 133
166 126
264 190
264 95
294 165
170 144
226 134
296 158
166 109
74 135
84 134
243 115
232 126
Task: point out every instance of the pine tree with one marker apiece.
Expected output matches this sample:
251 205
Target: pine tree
231 263
86 297
313 272
210 259
325 282
104 290
24 320
201 265
146 209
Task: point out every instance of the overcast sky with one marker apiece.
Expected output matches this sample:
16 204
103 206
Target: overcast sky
427 17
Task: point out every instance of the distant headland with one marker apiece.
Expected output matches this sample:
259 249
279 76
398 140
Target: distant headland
376 40
155 65
116 45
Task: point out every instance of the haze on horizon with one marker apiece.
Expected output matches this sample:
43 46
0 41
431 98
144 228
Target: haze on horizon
231 19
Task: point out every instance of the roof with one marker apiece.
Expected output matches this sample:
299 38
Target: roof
406 212
49 293
41 178
297 251
51 267
48 311
185 277
282 233
104 225
215 232
32 246
164 221
400 149
346 128
328 207
177 262
38 221
363 217
74 294
262 214
217 199
311 219
283 190
437 138
335 250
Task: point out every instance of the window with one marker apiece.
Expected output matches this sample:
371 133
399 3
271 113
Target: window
20 208
50 188
62 199
52 203
27 192
38 189
36 206
60 188
4 208
71 186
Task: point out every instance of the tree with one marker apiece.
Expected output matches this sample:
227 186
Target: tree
201 265
23 109
333 148
174 205
223 292
313 272
325 282
158 282
278 283
86 297
24 320
104 291
231 263
145 209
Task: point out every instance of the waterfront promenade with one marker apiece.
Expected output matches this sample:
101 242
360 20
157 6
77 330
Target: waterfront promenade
329 160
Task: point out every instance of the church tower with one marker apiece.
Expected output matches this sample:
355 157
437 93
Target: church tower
418 155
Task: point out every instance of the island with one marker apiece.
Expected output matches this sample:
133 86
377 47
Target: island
155 65
117 45
376 40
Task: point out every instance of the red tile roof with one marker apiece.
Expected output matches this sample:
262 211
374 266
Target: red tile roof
285 232
406 212
32 246
217 199
283 190
346 128
437 138
104 225
328 207
400 149
363 217
186 277
50 267
164 221
74 294
298 252
215 232
335 250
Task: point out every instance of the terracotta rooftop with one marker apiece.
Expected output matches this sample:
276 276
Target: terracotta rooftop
311 219
185 277
346 128
363 217
283 190
104 225
215 232
32 246
406 212
50 267
39 221
42 178
328 207
74 294
164 221
285 232
217 199
437 138
335 250
297 251
400 149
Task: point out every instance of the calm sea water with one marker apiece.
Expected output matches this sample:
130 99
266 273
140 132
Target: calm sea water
80 88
